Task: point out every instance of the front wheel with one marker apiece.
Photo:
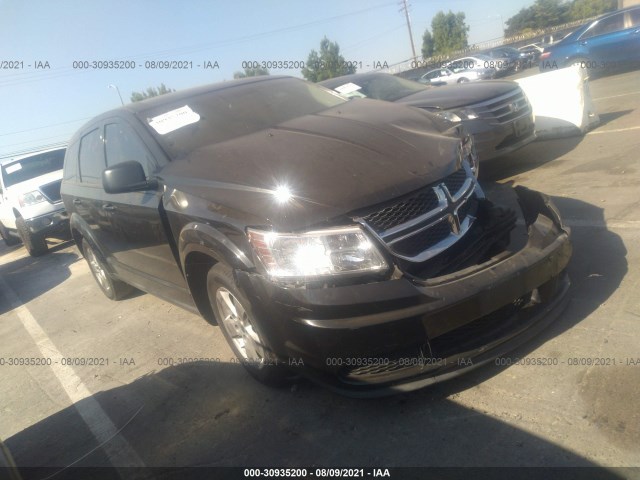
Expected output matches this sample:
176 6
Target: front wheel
463 80
35 243
241 330
112 288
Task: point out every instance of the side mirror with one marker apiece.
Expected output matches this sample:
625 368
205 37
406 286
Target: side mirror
126 177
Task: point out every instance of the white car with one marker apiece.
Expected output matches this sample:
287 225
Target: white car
474 62
445 76
31 208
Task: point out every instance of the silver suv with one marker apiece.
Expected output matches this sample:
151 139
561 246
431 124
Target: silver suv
30 205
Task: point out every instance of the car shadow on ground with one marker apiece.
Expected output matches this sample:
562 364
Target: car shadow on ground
596 270
5 250
611 116
215 414
527 158
25 274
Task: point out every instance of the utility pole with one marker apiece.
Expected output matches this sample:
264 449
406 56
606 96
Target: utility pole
405 7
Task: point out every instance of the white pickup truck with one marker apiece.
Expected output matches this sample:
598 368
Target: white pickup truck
30 205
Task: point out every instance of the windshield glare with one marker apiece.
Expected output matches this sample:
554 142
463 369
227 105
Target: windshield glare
387 87
240 110
32 167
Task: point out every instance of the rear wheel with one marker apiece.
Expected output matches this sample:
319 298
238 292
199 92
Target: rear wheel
242 332
463 80
112 288
9 240
35 243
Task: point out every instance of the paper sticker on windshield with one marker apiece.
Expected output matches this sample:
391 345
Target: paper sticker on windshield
14 167
173 120
348 88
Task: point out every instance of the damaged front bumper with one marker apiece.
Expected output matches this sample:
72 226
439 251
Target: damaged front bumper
407 332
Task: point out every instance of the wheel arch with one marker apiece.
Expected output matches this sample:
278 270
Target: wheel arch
79 230
200 247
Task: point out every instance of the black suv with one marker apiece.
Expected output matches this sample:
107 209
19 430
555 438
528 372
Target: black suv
347 241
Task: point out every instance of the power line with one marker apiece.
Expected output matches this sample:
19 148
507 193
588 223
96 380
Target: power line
67 135
44 126
33 149
29 77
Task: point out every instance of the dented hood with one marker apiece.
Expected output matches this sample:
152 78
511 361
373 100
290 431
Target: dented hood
356 155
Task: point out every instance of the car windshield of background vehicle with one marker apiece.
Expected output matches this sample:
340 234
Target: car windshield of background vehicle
32 167
228 113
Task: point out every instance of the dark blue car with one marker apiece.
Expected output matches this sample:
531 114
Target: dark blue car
612 42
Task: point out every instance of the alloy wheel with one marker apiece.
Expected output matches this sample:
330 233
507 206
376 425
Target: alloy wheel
238 325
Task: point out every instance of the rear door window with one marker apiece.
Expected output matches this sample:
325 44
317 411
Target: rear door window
92 157
607 25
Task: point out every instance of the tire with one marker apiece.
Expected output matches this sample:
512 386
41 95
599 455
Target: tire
112 288
9 240
35 244
235 318
463 80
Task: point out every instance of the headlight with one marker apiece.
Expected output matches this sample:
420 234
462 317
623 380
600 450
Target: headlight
31 198
321 253
452 117
458 115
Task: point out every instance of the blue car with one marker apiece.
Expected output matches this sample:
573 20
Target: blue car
612 42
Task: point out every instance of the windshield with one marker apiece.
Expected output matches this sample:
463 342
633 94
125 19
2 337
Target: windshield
381 87
186 125
32 167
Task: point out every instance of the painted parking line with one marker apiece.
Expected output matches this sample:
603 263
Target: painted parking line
616 96
119 451
616 130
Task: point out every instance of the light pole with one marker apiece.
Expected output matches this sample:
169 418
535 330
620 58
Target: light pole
117 90
405 8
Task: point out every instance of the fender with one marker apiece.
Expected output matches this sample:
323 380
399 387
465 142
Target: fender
201 237
76 222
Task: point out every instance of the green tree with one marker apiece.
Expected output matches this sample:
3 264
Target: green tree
449 32
427 44
590 8
542 14
251 72
151 92
550 12
326 64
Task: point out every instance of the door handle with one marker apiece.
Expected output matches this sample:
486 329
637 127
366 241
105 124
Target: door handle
108 207
77 201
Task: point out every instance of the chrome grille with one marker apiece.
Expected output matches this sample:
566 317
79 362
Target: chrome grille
52 191
504 108
424 224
